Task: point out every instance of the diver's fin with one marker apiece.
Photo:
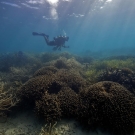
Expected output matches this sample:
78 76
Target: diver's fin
39 34
35 33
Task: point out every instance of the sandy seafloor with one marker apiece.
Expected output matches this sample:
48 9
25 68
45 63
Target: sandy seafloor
25 123
20 124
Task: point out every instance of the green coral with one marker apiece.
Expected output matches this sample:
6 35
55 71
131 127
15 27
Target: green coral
92 75
98 66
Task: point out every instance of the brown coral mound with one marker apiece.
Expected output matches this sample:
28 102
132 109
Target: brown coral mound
64 63
48 107
69 102
109 106
6 103
125 77
34 88
8 99
49 70
61 63
70 79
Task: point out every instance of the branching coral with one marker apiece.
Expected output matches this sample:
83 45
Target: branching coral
64 63
48 70
124 76
34 88
51 94
47 57
97 67
61 63
49 130
109 106
85 59
69 102
92 75
70 79
8 97
61 128
48 107
116 63
7 101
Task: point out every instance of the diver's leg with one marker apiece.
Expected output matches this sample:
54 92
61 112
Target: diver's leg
59 48
46 40
55 48
50 43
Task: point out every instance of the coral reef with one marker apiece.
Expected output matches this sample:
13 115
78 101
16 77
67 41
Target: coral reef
13 62
53 94
121 57
61 63
70 79
55 86
7 100
92 75
69 102
48 70
85 59
109 106
97 67
48 107
124 76
64 63
35 87
49 130
47 57
63 127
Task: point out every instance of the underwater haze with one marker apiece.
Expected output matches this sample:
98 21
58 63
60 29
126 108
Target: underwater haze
47 88
92 25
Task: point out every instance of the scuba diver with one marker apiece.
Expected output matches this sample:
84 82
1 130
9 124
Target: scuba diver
58 41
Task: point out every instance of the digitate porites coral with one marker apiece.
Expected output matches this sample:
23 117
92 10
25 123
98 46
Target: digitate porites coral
108 105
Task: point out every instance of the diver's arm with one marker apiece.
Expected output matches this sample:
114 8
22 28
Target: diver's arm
57 48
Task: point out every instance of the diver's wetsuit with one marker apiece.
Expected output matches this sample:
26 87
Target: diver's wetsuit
58 42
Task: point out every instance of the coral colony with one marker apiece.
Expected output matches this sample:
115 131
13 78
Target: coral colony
98 94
